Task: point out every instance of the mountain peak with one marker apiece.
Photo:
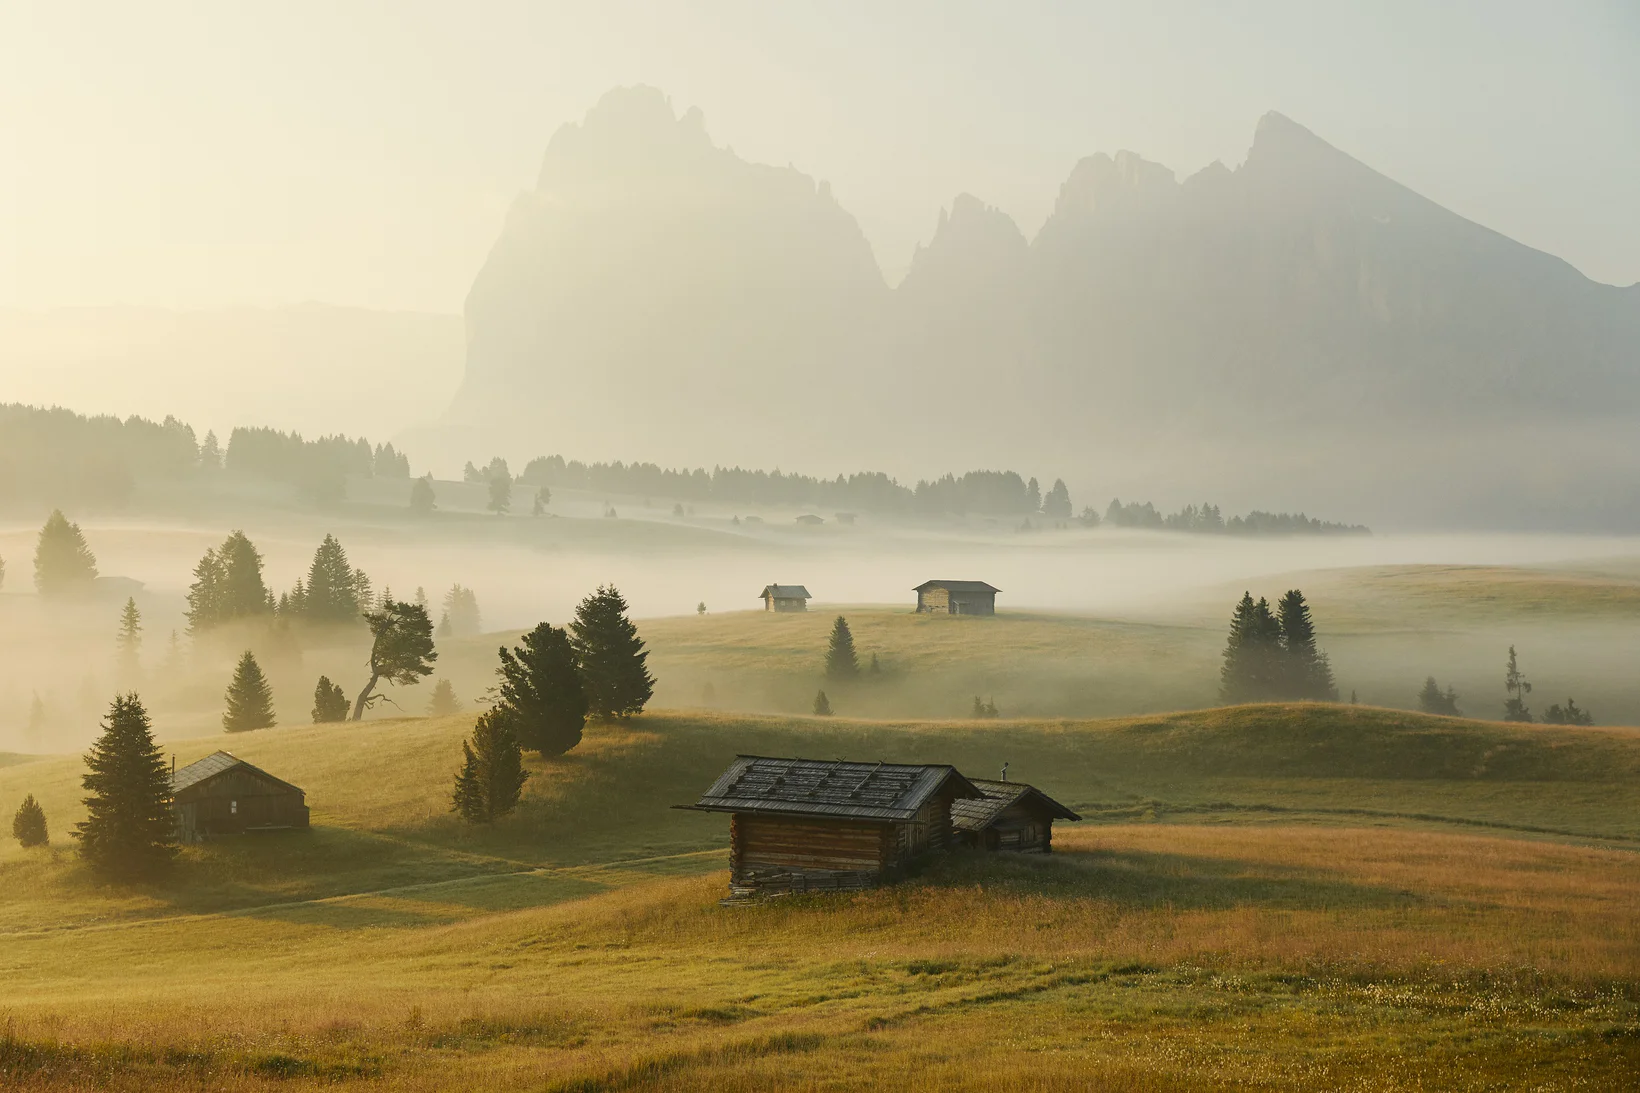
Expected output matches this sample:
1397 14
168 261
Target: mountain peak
627 132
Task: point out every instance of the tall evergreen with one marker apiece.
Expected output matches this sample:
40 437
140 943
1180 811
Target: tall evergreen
841 661
62 560
332 590
421 495
329 702
1516 687
205 594
1431 699
1254 660
1569 714
1057 504
461 612
541 695
443 702
822 705
28 824
129 829
500 492
243 593
129 639
1307 671
492 774
250 699
401 650
611 656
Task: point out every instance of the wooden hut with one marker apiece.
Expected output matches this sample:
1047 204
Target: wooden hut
1010 816
785 597
224 795
808 825
956 598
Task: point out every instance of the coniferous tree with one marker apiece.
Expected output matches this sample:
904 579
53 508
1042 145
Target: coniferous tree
28 824
445 630
129 640
329 702
461 612
444 702
492 774
1057 504
1570 714
129 829
543 498
1516 687
1307 671
250 699
401 650
242 592
332 590
210 454
421 495
1431 699
610 656
1033 496
841 661
205 594
822 705
1253 656
541 692
500 492
62 560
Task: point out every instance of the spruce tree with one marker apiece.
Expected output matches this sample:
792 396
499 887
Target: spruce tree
401 650
1431 699
62 560
1057 504
822 705
205 594
1516 687
1570 714
1254 659
541 694
500 492
250 699
331 593
329 702
461 612
421 495
841 661
129 640
242 593
492 772
1307 672
28 824
444 702
610 655
129 830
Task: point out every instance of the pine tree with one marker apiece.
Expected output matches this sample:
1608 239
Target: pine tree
331 593
500 490
1570 714
444 702
1515 685
822 705
210 454
1431 699
543 498
28 824
205 594
250 699
1033 496
241 593
876 668
329 702
1058 502
1253 655
421 495
62 560
492 774
1307 671
401 650
541 692
129 639
129 829
841 662
461 612
610 655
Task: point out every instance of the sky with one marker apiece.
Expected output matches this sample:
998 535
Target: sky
213 154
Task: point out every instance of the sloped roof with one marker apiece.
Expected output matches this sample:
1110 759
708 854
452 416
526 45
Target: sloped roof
956 586
218 762
976 814
818 787
785 592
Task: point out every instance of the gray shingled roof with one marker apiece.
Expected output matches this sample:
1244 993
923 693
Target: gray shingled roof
213 764
976 814
785 592
956 586
817 787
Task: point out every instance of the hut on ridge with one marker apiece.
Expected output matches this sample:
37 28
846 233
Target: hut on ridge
956 598
222 794
1009 816
785 597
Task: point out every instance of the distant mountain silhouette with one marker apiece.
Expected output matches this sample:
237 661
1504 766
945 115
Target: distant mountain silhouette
1299 332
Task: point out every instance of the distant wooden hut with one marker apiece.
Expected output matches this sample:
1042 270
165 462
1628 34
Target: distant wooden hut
810 520
785 597
956 598
1009 816
807 825
224 795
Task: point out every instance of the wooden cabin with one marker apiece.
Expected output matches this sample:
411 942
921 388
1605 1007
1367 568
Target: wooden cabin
956 598
785 597
810 520
809 825
224 795
1010 816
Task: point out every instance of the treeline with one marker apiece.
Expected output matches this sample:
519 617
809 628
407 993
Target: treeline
1208 519
318 467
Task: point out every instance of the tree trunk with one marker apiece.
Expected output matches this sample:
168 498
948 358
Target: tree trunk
364 697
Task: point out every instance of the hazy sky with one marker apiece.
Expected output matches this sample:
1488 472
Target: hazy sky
214 153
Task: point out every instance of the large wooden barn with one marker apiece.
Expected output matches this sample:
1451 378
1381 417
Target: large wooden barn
956 598
808 825
222 794
1010 816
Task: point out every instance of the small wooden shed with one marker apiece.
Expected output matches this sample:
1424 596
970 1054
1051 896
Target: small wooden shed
810 825
1010 816
222 794
785 597
956 598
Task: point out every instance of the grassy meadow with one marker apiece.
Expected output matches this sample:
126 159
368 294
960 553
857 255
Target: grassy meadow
1267 897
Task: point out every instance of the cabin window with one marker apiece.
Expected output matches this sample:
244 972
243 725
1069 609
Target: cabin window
233 808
